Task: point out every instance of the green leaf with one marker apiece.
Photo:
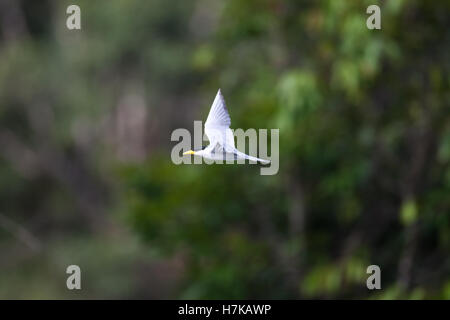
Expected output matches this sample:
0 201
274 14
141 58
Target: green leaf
408 212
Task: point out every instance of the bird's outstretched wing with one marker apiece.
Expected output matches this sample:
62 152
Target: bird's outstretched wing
218 115
217 125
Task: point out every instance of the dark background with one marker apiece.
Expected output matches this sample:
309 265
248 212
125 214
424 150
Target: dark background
86 176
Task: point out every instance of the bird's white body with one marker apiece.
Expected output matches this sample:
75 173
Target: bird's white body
221 139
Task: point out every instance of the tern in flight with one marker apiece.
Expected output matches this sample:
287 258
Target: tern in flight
221 138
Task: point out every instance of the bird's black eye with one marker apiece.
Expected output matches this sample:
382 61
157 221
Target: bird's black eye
203 148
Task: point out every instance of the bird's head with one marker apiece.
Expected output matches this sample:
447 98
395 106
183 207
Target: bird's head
196 151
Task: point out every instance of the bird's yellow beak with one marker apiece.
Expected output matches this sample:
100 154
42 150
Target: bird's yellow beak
188 152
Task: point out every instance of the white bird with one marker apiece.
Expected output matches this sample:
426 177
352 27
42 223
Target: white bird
221 138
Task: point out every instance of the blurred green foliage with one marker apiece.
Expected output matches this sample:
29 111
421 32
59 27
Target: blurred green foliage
364 124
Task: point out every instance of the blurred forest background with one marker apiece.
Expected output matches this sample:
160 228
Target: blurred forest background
86 176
